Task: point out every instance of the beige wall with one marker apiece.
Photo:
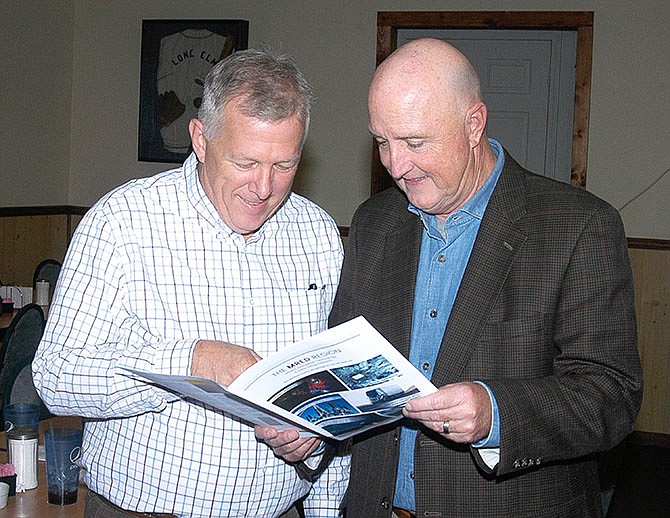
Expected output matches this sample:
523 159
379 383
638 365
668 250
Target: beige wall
70 103
35 98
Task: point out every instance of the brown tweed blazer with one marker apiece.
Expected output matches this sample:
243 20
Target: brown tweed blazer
544 316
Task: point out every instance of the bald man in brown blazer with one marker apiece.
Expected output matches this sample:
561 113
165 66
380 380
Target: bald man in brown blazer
543 315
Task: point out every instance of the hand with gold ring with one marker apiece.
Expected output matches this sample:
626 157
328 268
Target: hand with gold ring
445 427
460 412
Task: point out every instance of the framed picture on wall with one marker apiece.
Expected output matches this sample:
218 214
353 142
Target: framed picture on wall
176 57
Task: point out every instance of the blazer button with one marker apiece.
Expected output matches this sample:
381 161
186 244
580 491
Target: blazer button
385 504
516 464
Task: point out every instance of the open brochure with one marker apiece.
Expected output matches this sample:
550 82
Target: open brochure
335 384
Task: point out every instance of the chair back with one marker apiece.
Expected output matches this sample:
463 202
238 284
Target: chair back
47 270
17 352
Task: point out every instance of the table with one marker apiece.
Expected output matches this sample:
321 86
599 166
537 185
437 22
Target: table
5 320
33 503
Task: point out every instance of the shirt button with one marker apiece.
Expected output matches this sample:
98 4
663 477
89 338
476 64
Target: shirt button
442 258
411 475
433 313
251 302
425 366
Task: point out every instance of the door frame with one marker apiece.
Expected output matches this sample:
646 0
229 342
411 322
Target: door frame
388 23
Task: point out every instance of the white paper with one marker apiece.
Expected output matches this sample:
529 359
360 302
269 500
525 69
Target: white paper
336 384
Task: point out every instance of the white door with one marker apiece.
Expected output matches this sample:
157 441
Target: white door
528 80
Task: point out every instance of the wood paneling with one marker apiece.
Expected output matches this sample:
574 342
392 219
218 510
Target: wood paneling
30 234
27 240
651 271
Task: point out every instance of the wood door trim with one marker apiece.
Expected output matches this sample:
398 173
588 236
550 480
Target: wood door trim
388 23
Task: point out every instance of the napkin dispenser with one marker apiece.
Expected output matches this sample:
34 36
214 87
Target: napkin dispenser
19 295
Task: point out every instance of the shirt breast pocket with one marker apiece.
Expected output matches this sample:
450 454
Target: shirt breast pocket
306 307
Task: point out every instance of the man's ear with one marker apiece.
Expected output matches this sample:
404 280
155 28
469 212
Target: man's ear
198 140
476 122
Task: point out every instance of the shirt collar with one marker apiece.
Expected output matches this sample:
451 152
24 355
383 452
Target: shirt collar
196 194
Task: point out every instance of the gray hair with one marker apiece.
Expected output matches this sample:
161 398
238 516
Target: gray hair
268 83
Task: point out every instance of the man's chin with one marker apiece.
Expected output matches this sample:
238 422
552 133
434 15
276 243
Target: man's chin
251 221
249 227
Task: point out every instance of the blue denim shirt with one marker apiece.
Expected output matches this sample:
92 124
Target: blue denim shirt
445 251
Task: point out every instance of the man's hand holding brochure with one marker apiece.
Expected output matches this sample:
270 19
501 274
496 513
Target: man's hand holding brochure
335 384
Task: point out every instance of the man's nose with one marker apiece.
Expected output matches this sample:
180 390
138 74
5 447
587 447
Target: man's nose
261 185
398 163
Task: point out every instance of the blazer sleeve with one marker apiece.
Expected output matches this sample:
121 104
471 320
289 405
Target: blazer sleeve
591 398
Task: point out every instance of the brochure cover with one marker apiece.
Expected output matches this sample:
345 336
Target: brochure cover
335 384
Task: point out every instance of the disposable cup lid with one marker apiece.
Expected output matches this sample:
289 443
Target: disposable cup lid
22 433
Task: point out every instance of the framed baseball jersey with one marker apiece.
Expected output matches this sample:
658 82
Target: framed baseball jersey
176 57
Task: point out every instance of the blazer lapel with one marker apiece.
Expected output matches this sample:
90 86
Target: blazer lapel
400 263
495 247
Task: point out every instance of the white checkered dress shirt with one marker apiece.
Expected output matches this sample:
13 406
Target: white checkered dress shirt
152 269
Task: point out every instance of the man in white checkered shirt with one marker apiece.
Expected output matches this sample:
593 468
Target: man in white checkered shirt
200 270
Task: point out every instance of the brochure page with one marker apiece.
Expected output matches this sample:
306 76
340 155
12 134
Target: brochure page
336 384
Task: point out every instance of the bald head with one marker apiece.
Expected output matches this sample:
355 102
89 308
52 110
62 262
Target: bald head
432 69
428 119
